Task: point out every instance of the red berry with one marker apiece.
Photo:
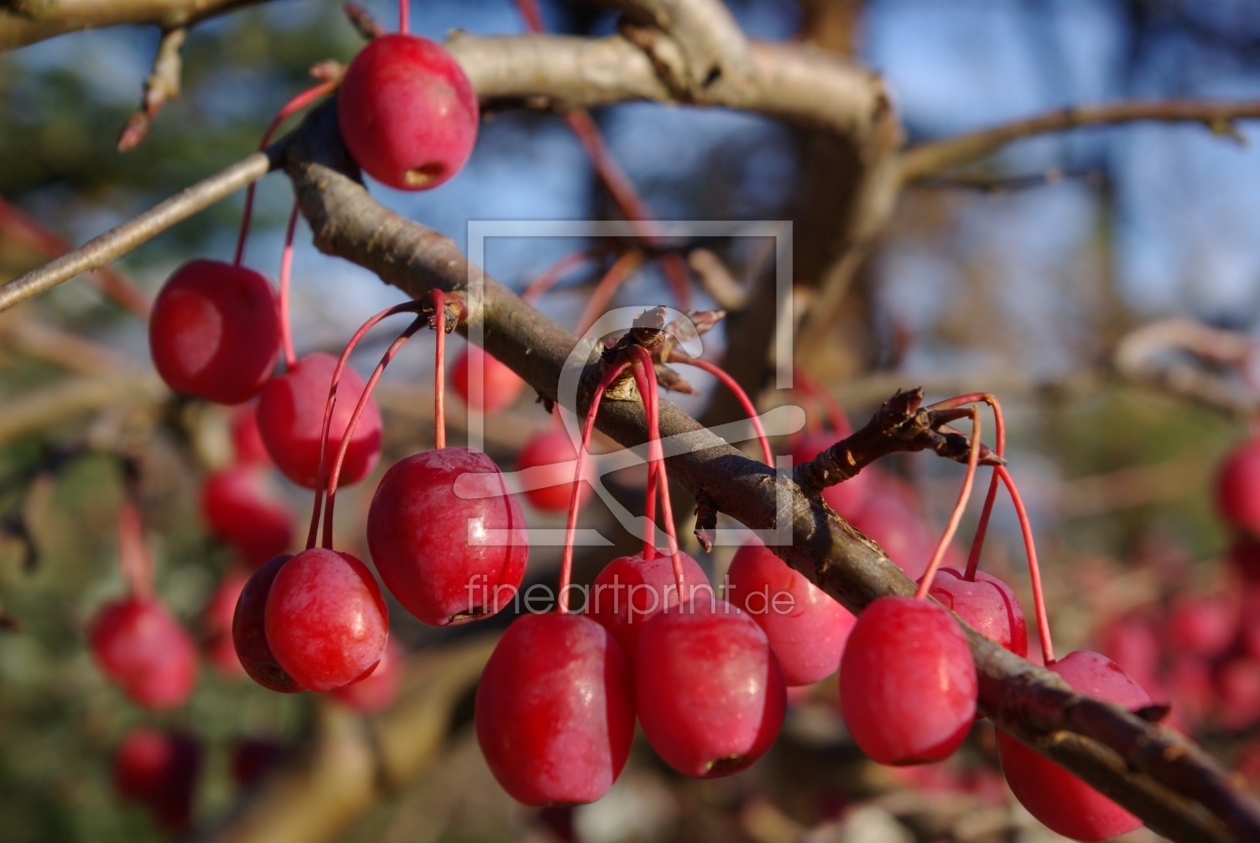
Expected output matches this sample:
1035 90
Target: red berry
1238 487
1204 625
907 682
243 509
1238 693
215 331
249 633
141 647
291 420
407 112
247 444
806 628
708 688
326 620
845 498
630 590
1244 555
554 710
216 625
378 690
159 771
548 458
449 553
987 604
1132 642
500 386
892 523
1062 802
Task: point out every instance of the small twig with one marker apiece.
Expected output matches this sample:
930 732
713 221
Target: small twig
1138 356
994 185
363 22
929 159
161 87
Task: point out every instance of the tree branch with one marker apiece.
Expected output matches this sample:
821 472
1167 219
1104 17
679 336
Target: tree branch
1141 765
24 22
161 86
930 159
712 48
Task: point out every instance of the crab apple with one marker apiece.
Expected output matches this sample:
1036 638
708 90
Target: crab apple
378 690
1238 487
1244 555
407 112
630 590
907 682
142 648
159 770
247 444
249 634
806 628
216 625
291 421
1205 625
550 455
214 332
554 711
500 386
448 552
243 509
845 498
326 621
708 688
1061 801
1238 693
987 604
892 523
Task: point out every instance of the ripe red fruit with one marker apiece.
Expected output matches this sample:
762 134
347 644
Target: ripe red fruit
242 508
1060 800
407 112
630 590
142 648
432 542
249 634
1238 487
549 485
1132 642
216 625
326 621
159 771
554 711
708 688
907 682
291 420
807 629
987 604
500 386
1238 693
845 498
378 690
892 523
1204 625
215 331
247 444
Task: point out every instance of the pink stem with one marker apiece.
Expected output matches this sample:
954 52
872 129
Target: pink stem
955 517
532 15
286 272
135 562
1034 570
839 421
404 16
335 474
650 408
733 385
439 371
570 527
553 274
607 287
982 528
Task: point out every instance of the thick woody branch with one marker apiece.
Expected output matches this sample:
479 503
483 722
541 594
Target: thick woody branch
1152 771
930 159
24 22
712 47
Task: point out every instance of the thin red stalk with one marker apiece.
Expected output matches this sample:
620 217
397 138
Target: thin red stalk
532 15
286 271
439 371
607 286
335 474
552 274
134 560
733 385
570 527
982 528
30 231
839 421
650 407
294 105
955 517
406 307
1034 570
404 16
